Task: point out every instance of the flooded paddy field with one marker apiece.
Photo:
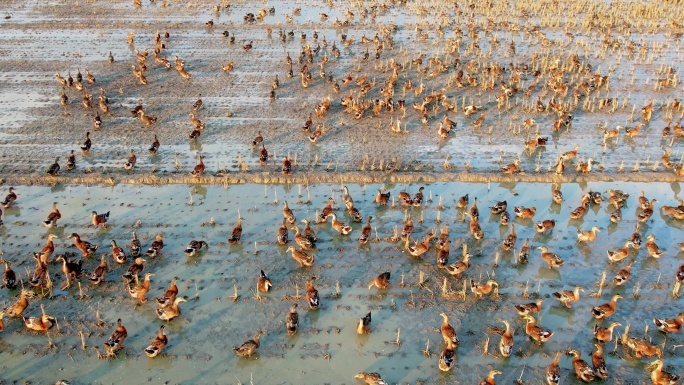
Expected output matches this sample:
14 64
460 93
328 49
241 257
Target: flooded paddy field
495 99
327 348
571 72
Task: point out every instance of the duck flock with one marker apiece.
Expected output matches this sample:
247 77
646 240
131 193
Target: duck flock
135 263
562 90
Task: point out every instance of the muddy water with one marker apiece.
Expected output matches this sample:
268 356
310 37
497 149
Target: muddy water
327 348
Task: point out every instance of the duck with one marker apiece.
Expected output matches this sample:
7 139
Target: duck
131 161
9 278
381 281
116 340
565 297
641 347
199 168
443 255
587 236
71 161
292 321
339 226
653 249
53 170
524 253
509 242
194 134
535 332
407 230
545 225
556 194
448 332
619 254
481 290
643 201
236 234
39 277
301 257
42 323
604 335
363 326
529 308
458 268
287 214
99 219
63 98
365 232
677 212
371 378
475 229
499 207
382 197
312 294
87 144
198 103
53 217
196 122
418 249
570 154
623 275
157 344
195 247
70 269
259 139
263 154
346 198
100 272
647 212
263 282
659 376
551 259
553 371
607 309
405 198
169 295
140 290
584 167
287 166
616 216
156 247
490 378
418 197
511 168
583 371
49 247
474 211
579 212
118 254
325 213
447 359
171 310
506 342
97 121
524 212
135 246
598 363
670 325
301 240
17 309
282 234
354 213
10 198
85 247
462 202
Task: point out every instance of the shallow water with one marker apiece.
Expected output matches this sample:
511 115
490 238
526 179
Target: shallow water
201 339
